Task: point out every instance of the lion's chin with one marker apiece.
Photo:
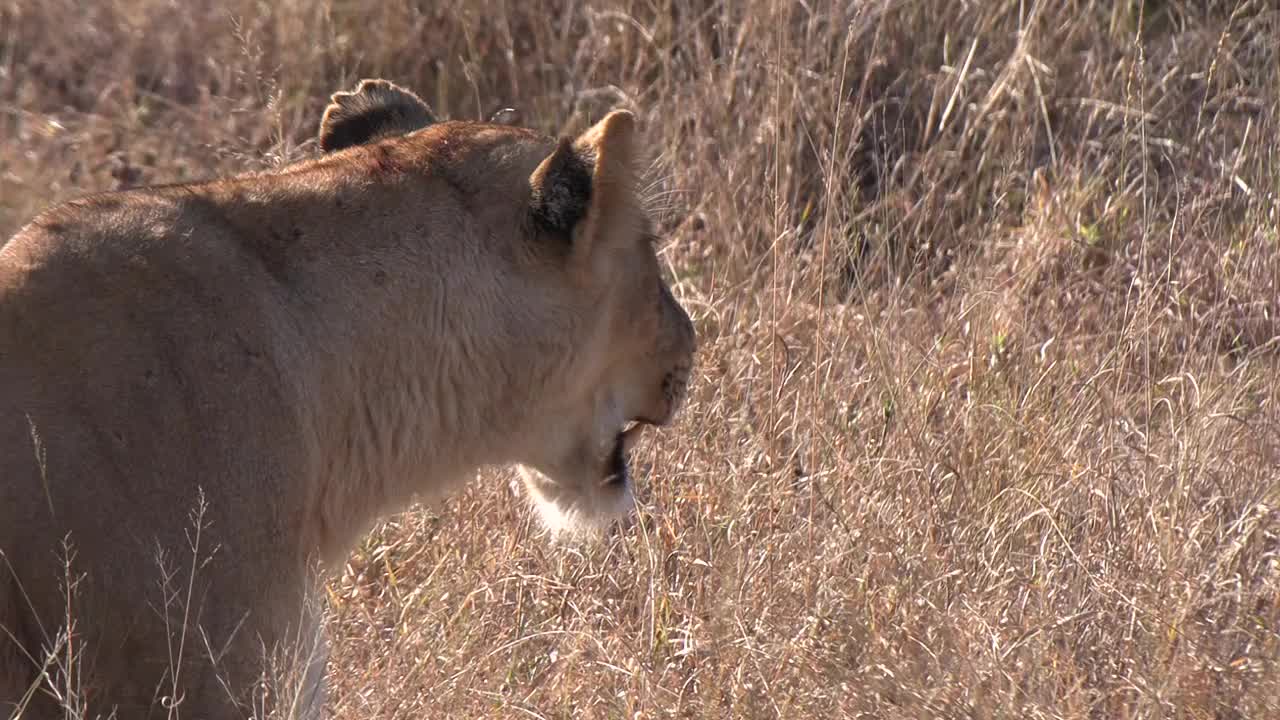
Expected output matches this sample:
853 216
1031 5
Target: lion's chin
584 508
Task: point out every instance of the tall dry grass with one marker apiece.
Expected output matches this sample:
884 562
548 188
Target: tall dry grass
985 421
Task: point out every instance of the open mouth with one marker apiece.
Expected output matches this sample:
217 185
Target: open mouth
618 466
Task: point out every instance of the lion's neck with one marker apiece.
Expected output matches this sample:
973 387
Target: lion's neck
416 373
409 405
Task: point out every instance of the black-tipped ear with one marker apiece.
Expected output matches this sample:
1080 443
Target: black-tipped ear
561 189
375 109
506 116
590 181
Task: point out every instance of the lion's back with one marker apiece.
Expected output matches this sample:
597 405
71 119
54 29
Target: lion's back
132 325
137 372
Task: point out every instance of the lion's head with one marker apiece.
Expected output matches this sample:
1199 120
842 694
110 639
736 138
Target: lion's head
592 293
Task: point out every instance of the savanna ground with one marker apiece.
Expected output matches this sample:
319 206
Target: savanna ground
985 421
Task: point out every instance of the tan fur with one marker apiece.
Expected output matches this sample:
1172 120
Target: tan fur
305 351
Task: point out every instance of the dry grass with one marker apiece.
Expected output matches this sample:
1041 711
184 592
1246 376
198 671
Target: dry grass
986 416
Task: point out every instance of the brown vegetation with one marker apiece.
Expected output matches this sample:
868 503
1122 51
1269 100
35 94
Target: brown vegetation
985 420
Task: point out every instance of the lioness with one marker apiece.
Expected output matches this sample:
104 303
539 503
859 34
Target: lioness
299 352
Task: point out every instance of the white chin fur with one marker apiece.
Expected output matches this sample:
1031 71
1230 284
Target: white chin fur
571 515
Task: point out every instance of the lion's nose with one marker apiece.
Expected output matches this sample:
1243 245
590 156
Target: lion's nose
675 387
688 335
684 336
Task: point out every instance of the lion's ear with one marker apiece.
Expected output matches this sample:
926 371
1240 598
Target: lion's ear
375 109
586 186
561 189
506 116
